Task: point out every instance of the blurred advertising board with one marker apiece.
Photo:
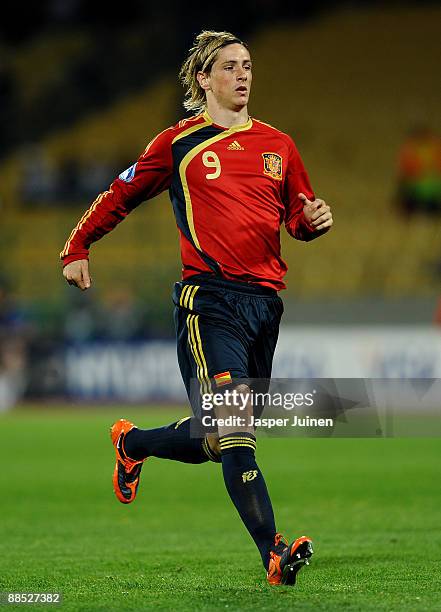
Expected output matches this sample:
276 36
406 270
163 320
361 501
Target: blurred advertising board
148 371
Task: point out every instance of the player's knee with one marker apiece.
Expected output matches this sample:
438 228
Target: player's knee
243 388
242 399
245 406
235 414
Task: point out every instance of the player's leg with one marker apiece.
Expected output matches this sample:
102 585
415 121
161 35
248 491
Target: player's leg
181 441
244 480
176 441
246 486
171 441
224 325
133 446
285 560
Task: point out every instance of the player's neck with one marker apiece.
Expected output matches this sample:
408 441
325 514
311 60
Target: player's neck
227 117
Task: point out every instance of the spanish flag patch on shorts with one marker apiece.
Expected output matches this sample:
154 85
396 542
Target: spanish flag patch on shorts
222 379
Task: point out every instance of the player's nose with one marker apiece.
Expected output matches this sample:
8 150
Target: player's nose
242 74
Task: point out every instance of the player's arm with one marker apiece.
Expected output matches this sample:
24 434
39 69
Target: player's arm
149 176
306 217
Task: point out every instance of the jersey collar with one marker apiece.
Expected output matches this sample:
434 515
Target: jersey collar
234 128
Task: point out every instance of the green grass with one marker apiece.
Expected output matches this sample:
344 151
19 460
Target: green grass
372 507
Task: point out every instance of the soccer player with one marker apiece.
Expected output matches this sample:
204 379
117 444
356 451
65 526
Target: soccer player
232 180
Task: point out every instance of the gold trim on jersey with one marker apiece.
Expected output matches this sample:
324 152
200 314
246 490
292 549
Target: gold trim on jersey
82 221
193 128
246 125
267 124
190 156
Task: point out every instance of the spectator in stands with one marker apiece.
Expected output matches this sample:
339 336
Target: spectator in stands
39 176
68 180
93 174
65 181
419 168
121 317
81 321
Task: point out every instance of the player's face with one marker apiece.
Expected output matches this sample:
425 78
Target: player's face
230 77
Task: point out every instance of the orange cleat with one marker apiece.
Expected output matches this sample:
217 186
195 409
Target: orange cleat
286 560
127 471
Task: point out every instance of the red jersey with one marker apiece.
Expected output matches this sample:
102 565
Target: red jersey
231 188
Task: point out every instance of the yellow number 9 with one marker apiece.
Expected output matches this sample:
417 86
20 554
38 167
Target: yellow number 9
211 160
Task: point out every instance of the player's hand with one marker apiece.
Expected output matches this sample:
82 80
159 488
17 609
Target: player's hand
317 213
77 273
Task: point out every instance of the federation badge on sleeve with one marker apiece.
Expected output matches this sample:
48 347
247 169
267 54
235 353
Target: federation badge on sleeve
128 174
272 165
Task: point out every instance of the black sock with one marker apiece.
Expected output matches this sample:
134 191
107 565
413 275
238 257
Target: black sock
247 489
170 442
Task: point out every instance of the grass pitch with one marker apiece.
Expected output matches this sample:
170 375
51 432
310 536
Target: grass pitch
371 506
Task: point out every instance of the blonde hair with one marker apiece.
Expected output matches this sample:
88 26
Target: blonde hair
201 57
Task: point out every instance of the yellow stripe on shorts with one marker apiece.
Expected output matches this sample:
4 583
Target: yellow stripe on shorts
204 388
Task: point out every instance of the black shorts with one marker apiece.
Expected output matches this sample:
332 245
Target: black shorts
225 330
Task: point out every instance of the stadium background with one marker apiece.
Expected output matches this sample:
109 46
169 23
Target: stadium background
82 90
82 94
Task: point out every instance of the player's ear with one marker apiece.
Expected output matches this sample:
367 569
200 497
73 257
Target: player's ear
203 80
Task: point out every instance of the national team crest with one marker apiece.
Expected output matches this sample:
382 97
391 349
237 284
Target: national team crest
272 165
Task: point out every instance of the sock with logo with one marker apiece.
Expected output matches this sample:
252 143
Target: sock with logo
170 442
247 489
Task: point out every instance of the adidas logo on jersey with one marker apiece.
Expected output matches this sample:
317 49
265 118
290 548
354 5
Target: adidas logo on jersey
235 146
